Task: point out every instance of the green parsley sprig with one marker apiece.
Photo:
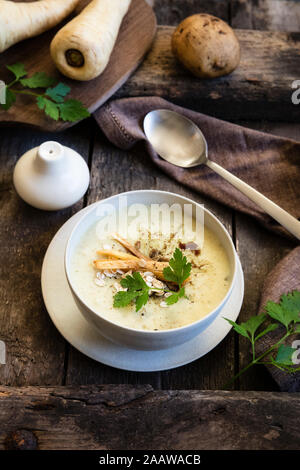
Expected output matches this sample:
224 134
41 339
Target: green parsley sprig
51 101
285 312
138 291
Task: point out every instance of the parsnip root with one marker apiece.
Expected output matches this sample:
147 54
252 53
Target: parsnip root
19 21
81 49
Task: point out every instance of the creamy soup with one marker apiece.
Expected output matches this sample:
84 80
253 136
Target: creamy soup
206 287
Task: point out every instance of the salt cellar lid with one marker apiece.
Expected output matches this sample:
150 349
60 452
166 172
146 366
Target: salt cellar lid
51 176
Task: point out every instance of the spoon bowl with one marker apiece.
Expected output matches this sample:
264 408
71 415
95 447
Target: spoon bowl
175 138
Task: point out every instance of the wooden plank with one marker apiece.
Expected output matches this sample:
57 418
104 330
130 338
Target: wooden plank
114 171
91 418
172 12
272 15
260 88
35 351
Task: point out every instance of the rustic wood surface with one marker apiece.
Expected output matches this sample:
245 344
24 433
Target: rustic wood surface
38 356
92 418
260 87
36 353
273 15
135 37
173 11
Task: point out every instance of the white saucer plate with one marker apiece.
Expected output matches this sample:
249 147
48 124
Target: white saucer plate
84 337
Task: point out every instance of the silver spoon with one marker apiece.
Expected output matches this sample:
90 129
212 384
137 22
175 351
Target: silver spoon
180 142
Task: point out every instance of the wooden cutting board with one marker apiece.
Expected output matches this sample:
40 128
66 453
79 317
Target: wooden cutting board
135 38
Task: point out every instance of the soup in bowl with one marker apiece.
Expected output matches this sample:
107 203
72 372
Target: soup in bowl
150 269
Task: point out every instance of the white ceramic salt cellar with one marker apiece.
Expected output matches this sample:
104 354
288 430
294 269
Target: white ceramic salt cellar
51 176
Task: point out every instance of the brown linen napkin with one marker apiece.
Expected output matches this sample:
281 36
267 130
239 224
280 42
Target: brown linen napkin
268 163
284 278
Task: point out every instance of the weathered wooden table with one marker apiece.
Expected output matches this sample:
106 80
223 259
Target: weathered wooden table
64 400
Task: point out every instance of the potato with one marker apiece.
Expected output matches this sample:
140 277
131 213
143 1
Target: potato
206 45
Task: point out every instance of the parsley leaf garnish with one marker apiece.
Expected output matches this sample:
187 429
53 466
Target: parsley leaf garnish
72 110
124 298
173 298
51 101
49 107
137 290
17 69
58 92
179 269
38 80
286 312
284 355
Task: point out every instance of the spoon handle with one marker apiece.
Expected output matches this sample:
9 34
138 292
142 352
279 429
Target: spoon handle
279 214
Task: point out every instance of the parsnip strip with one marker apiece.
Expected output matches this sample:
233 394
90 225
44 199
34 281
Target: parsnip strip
130 247
156 267
126 261
116 254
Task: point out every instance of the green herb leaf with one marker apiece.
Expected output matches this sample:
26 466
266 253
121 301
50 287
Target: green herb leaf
72 110
287 310
276 312
123 298
50 108
291 303
137 289
18 69
253 323
179 269
141 300
134 282
173 298
269 328
169 275
38 80
10 99
284 355
58 93
238 328
55 107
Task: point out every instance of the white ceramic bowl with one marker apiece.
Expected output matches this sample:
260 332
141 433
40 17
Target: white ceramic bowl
141 339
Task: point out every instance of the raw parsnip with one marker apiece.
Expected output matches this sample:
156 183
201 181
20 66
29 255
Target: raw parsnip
81 49
20 21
